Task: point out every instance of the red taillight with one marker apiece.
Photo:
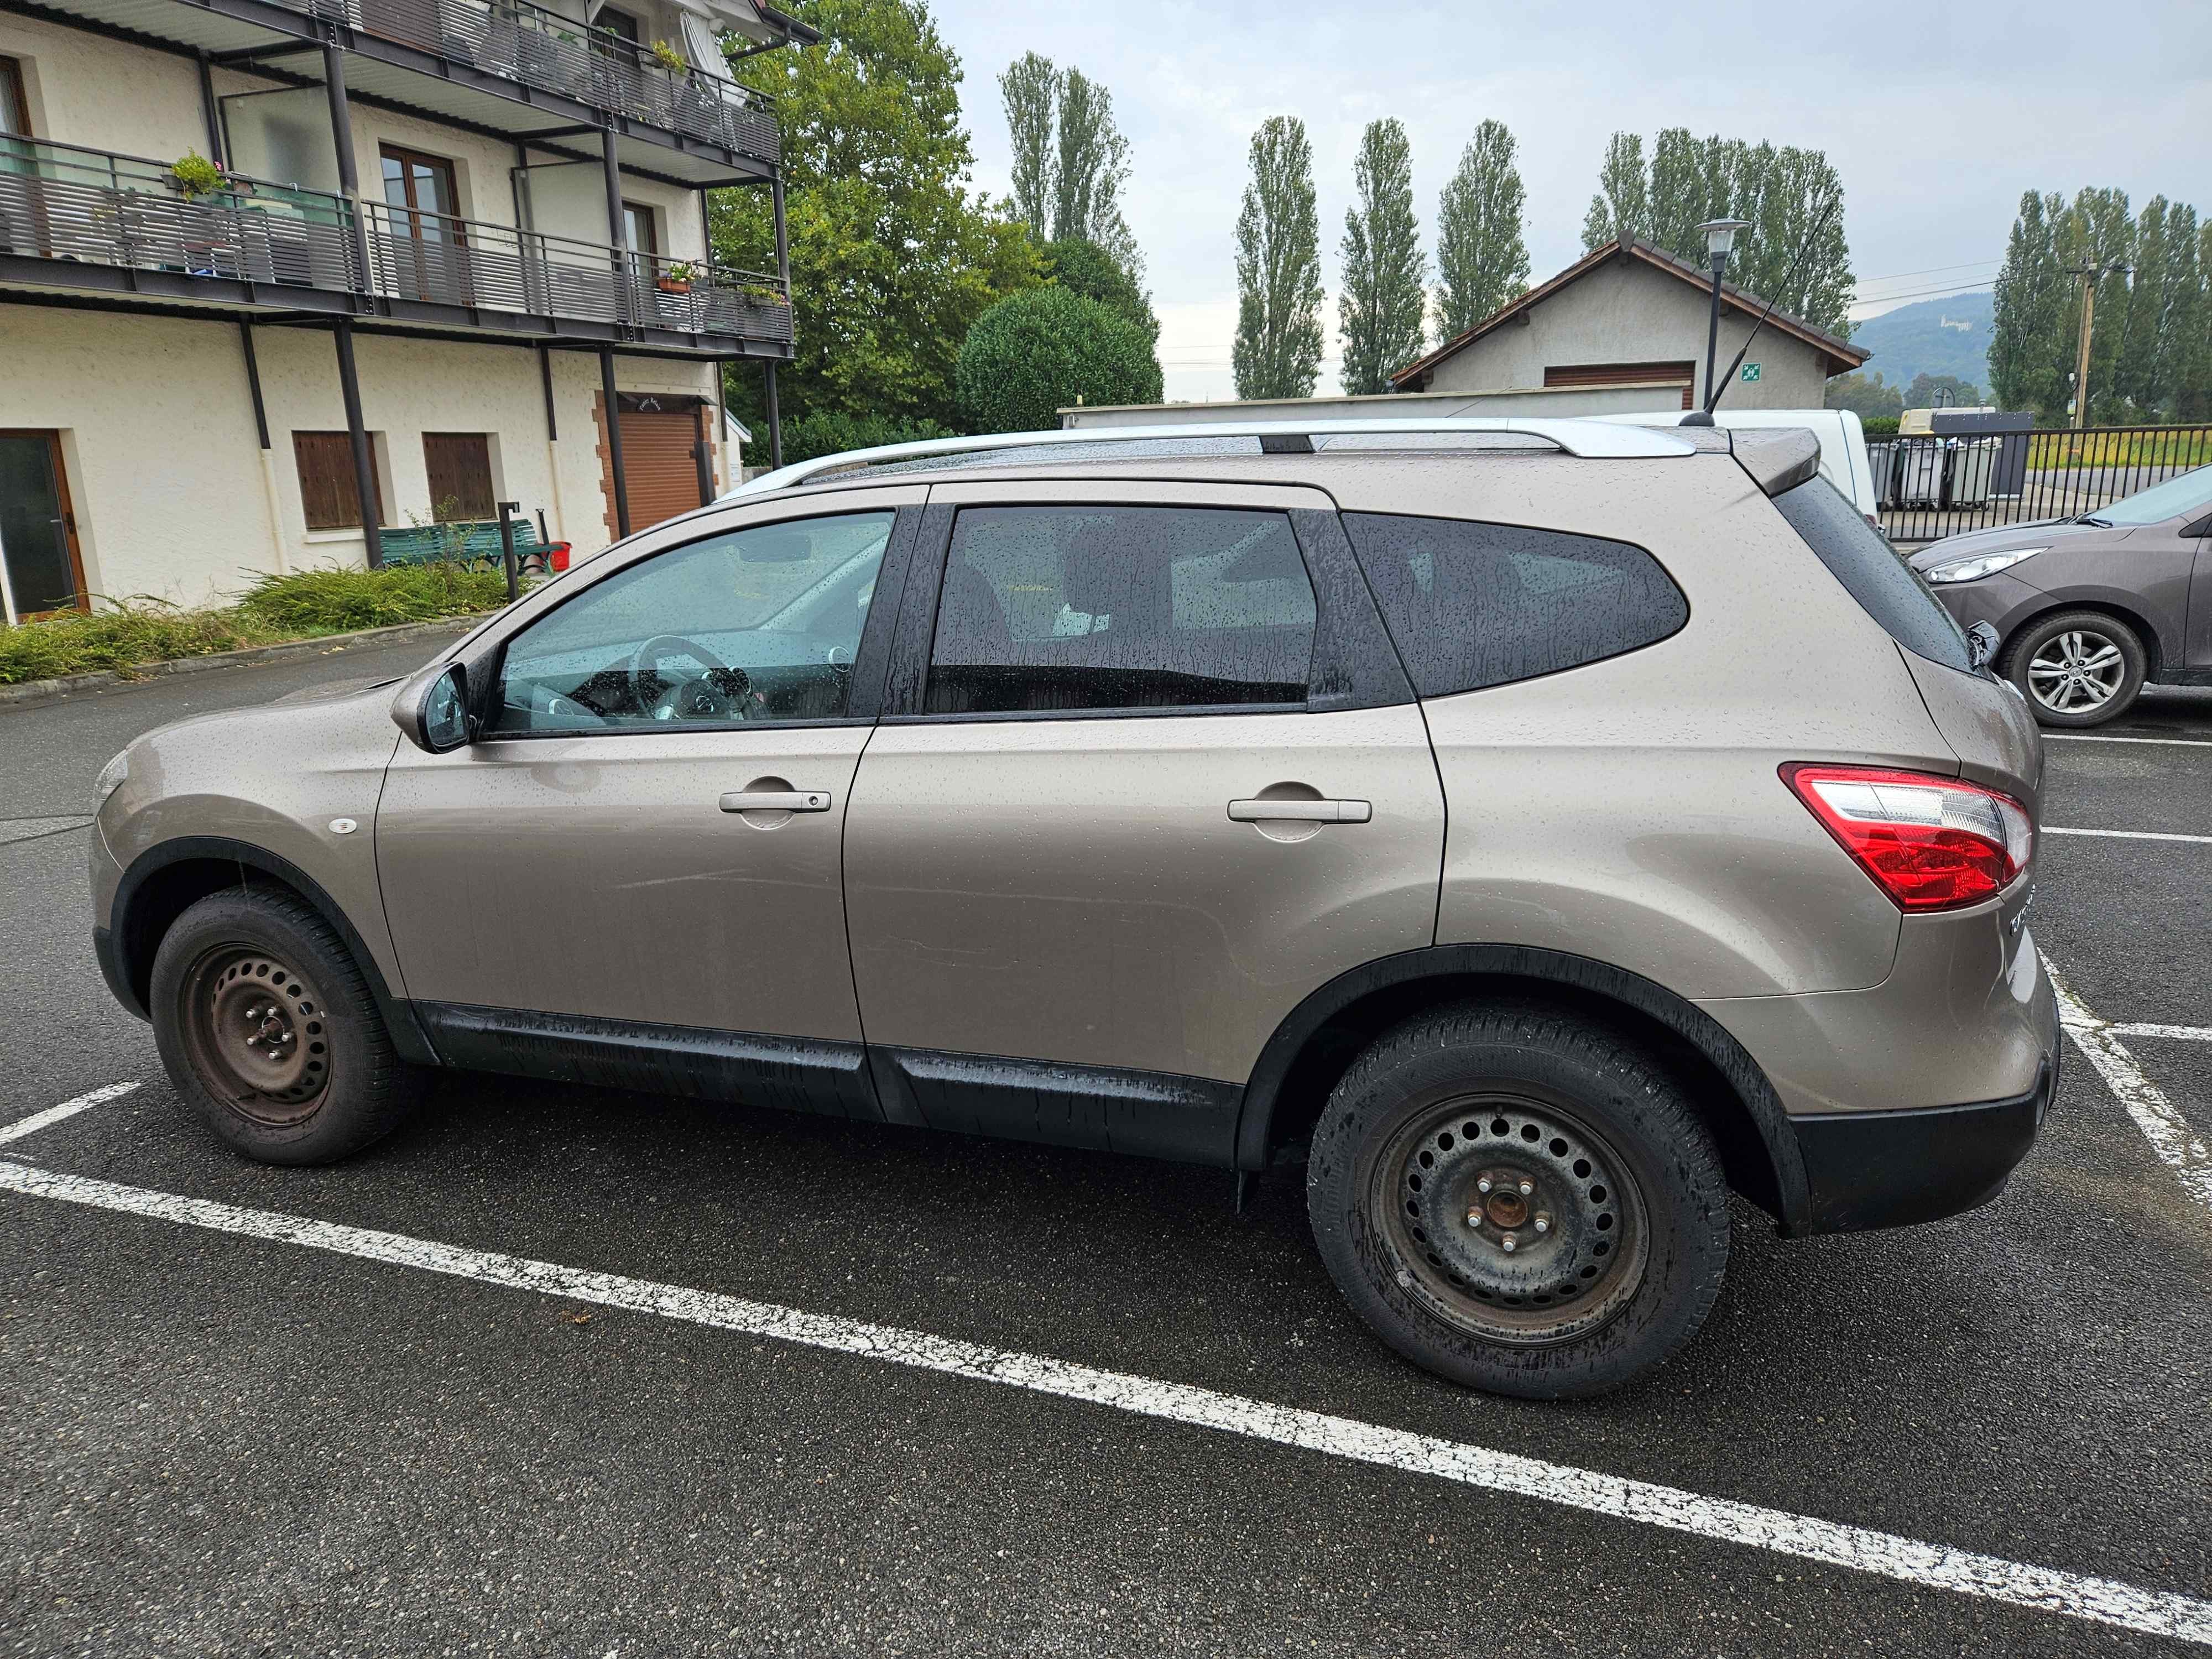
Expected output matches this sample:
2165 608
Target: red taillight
1930 842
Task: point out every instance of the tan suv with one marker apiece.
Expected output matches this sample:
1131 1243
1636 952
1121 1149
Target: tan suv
1539 829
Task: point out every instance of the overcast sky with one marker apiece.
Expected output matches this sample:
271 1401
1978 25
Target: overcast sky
1937 117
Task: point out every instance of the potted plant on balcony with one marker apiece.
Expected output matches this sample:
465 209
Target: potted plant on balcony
671 59
677 276
194 176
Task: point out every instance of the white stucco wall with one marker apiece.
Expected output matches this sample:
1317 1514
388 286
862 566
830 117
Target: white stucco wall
172 494
1624 311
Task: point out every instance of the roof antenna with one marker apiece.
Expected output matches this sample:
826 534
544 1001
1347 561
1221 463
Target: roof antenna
1713 392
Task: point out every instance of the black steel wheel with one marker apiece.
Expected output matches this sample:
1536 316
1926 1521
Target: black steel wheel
1520 1199
268 1030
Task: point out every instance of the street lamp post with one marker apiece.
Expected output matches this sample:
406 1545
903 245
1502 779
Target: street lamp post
1720 242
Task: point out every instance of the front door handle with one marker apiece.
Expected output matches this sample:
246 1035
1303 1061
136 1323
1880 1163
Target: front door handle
776 800
1300 811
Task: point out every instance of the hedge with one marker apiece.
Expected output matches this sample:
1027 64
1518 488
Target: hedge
1044 349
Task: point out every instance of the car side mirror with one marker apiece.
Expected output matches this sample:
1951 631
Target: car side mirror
1981 644
433 708
2202 527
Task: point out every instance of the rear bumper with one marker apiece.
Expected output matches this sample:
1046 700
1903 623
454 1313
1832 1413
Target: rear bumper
1892 1169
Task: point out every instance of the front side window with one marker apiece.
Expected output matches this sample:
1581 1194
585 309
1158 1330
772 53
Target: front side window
1073 608
758 624
1470 604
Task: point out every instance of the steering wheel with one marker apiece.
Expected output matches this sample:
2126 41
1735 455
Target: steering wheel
718 695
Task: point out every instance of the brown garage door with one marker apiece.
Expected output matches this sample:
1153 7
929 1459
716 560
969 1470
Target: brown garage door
658 461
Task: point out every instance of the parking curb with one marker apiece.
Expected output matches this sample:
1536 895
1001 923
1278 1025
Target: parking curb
32 692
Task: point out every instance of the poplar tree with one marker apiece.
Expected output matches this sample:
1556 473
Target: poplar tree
2031 308
1279 293
1482 254
1382 305
1622 206
1030 91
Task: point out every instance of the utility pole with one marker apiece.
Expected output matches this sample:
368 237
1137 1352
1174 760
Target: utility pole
2091 275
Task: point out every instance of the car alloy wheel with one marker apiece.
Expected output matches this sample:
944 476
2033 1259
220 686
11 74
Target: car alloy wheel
2077 673
1514 1220
255 1031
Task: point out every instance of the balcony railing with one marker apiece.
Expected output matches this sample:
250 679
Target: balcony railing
433 258
539 48
71 205
59 201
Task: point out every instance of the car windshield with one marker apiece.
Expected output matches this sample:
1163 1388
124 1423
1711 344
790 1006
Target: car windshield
2177 497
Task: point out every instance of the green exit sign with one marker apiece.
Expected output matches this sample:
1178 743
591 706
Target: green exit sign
1750 372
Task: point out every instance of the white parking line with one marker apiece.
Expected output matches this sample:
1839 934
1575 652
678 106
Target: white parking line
2090 736
2104 1600
37 1121
2124 835
2142 1027
2178 1144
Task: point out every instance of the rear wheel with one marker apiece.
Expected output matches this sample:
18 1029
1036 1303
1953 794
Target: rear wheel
267 1028
2077 668
1519 1200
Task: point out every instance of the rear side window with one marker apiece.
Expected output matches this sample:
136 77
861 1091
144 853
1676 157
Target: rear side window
1070 608
1887 589
1472 605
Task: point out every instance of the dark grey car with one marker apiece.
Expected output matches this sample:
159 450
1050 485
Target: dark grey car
2086 610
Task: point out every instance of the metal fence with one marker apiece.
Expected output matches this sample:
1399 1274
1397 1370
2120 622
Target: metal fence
1938 486
527 43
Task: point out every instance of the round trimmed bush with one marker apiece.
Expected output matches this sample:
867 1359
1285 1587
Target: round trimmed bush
1043 350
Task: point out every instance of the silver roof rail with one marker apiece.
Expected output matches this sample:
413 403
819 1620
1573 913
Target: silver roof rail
1588 439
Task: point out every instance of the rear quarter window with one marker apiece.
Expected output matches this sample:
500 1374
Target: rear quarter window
1887 589
1470 604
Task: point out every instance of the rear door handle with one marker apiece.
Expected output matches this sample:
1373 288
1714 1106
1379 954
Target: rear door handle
1300 811
776 800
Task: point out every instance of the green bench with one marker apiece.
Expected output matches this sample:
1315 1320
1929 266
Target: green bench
474 542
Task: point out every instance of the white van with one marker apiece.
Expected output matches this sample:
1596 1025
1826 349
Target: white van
1843 444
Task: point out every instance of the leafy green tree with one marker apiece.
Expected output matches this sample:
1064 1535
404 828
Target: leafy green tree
1031 90
2137 377
1622 206
1681 189
2030 362
1866 395
1926 388
2189 344
1279 293
1092 169
1038 352
1482 255
1089 270
1381 306
2097 233
893 253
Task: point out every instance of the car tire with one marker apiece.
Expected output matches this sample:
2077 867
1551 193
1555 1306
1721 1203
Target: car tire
2089 667
269 1031
1616 1163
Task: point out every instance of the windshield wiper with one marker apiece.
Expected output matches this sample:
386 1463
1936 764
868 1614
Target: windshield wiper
2091 518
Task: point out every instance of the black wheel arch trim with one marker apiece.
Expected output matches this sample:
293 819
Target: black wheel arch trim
1255 1129
127 957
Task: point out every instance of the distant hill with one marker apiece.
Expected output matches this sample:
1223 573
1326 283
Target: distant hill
1950 336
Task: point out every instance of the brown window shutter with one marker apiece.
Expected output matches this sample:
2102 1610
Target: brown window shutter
326 480
658 463
1573 374
459 464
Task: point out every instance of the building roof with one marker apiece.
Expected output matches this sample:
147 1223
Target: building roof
1841 354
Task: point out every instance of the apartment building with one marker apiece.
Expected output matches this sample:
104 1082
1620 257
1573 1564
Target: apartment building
445 253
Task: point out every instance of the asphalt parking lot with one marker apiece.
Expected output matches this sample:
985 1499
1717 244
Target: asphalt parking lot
249 1410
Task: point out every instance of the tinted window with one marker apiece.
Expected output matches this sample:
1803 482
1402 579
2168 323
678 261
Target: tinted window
1473 604
1889 590
758 624
1120 607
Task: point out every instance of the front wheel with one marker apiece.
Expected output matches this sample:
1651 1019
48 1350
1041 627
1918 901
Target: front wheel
2077 668
1519 1200
267 1028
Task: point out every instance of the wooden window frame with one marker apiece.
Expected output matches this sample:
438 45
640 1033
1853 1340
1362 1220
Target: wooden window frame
412 158
11 80
83 597
645 217
340 442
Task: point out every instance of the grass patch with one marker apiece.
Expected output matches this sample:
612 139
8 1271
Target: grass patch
132 632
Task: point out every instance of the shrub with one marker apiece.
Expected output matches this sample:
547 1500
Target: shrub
310 602
1878 426
831 432
1039 351
1092 271
137 631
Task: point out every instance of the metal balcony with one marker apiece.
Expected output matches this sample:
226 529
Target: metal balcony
76 220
